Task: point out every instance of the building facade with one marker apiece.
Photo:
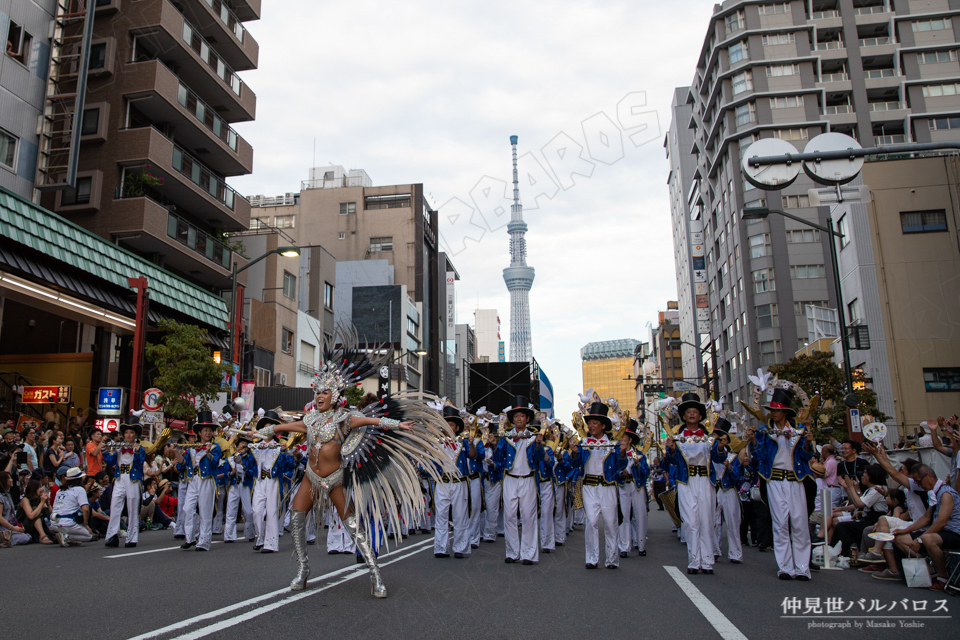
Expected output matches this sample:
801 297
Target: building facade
608 369
490 344
466 355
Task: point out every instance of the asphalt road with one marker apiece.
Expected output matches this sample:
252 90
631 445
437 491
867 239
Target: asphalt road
159 591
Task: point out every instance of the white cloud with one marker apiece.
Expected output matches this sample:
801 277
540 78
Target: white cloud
431 91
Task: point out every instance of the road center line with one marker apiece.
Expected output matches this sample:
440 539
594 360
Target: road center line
249 615
724 627
140 553
267 596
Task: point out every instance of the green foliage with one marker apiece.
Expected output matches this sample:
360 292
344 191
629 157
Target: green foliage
137 184
353 395
185 369
819 375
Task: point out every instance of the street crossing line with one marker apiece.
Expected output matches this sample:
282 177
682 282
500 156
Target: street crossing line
140 553
720 622
249 615
267 596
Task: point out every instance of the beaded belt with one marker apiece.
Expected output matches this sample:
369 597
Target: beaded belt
784 474
449 478
196 471
595 481
264 475
698 470
513 475
125 468
474 476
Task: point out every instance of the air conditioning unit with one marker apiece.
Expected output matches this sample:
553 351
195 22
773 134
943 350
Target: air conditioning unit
280 379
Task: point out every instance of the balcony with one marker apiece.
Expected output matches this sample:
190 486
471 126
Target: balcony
163 98
217 23
246 9
161 32
899 138
187 182
831 45
885 106
874 42
198 240
824 15
879 73
837 109
834 77
866 11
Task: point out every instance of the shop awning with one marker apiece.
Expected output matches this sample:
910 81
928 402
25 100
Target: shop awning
63 242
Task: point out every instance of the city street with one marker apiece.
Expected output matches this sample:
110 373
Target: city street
158 591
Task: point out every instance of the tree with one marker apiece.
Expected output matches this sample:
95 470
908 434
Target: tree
186 369
819 375
353 395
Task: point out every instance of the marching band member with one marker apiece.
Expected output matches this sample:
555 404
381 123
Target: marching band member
783 462
696 477
562 513
127 463
272 466
186 472
632 485
492 491
451 493
517 454
243 473
223 485
201 493
475 490
597 458
728 499
546 492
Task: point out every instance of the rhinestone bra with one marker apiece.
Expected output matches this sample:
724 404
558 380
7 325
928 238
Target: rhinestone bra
322 427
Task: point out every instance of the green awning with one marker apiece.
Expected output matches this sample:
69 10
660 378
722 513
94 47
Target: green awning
53 236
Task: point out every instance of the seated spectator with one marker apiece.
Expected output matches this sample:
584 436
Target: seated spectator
8 513
167 502
71 512
150 513
70 457
871 505
99 521
34 507
948 444
151 467
897 518
851 464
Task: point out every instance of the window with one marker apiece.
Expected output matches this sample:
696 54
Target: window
800 308
381 244
932 57
283 222
398 201
778 38
931 25
798 236
18 43
742 82
341 236
923 221
738 52
746 113
854 311
759 245
289 285
786 102
767 316
262 376
942 379
944 123
286 341
98 56
843 231
77 195
763 281
783 70
769 352
937 90
346 208
770 9
258 223
795 202
791 134
8 150
90 123
328 295
801 271
734 21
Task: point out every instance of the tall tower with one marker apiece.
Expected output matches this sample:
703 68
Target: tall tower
518 276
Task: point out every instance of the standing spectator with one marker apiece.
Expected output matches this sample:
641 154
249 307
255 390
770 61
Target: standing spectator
70 457
53 457
828 455
29 446
94 457
34 507
851 465
948 445
77 421
72 506
8 513
52 415
924 439
8 448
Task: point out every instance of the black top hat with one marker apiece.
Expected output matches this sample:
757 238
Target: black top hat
452 414
132 423
691 400
598 411
269 417
722 427
522 405
782 400
631 430
205 419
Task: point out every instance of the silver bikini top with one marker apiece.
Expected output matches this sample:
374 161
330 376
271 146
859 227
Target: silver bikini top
324 426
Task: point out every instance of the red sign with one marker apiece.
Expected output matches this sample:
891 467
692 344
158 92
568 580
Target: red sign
42 395
27 422
151 399
107 424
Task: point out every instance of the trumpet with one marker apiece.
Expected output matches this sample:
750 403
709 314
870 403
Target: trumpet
116 446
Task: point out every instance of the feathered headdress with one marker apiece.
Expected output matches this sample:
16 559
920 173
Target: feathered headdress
345 363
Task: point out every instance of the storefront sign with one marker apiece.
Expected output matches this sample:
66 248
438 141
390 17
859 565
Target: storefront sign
110 401
107 425
46 395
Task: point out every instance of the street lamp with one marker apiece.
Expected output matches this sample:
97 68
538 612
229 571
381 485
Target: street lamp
761 213
419 353
286 252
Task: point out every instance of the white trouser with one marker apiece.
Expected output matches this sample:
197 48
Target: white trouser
698 504
426 520
600 502
560 513
220 512
447 496
579 517
791 537
266 512
338 538
125 491
238 496
201 495
728 507
520 493
547 533
179 528
493 517
476 521
633 506
74 532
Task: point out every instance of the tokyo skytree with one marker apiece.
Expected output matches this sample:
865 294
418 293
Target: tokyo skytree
518 276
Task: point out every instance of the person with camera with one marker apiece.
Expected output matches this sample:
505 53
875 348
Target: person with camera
34 507
94 454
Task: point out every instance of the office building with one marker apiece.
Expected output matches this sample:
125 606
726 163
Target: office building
608 369
466 355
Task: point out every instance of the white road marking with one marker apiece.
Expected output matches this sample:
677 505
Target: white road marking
724 627
140 553
267 596
244 617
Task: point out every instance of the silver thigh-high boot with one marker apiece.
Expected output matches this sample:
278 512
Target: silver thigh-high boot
366 550
298 529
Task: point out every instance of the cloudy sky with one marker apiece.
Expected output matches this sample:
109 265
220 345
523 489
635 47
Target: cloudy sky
428 91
